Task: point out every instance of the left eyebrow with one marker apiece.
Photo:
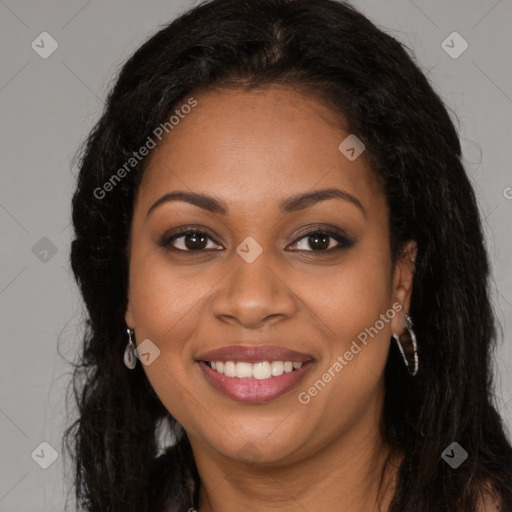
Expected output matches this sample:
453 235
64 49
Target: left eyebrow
302 201
291 204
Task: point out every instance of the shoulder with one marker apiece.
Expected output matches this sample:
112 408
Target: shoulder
489 500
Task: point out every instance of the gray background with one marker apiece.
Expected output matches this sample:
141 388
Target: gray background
47 107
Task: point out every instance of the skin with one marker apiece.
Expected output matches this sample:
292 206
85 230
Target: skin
253 150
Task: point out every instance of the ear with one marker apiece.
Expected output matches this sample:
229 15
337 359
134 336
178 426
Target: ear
403 275
128 316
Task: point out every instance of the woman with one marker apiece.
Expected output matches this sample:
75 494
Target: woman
273 210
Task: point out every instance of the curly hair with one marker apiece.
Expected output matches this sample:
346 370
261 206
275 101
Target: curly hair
327 49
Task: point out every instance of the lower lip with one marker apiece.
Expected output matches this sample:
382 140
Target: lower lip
255 390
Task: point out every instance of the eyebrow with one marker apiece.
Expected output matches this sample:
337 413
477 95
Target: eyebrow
291 204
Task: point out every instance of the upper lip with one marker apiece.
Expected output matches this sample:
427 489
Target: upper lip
254 354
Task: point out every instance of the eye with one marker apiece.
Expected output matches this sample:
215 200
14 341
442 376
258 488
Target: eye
197 240
322 241
189 240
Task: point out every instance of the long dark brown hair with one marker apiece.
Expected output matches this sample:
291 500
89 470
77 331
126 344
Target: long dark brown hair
328 49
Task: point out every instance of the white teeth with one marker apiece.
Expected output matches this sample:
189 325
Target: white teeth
243 370
260 370
230 369
276 368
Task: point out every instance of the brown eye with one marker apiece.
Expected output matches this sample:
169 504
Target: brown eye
195 241
319 241
322 241
189 241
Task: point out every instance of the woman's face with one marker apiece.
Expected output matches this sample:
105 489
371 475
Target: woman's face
257 289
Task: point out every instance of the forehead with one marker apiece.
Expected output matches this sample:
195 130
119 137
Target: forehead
254 147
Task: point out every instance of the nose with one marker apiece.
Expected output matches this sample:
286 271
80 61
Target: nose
254 295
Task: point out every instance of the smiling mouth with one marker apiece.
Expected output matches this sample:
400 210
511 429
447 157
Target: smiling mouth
260 370
254 373
257 382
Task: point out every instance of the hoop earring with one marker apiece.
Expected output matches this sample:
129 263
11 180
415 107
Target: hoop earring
411 350
129 352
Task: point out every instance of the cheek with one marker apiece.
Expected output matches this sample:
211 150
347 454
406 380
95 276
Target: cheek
353 304
166 304
163 303
355 342
353 295
166 301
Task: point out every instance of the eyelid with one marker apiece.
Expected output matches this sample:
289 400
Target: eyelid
321 228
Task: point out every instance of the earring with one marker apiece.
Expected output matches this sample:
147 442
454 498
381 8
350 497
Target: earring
411 350
129 352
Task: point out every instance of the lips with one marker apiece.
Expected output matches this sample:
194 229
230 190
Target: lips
254 354
257 386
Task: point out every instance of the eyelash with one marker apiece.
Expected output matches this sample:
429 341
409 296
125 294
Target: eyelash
339 236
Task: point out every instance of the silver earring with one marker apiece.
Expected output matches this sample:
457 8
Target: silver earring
410 353
129 352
